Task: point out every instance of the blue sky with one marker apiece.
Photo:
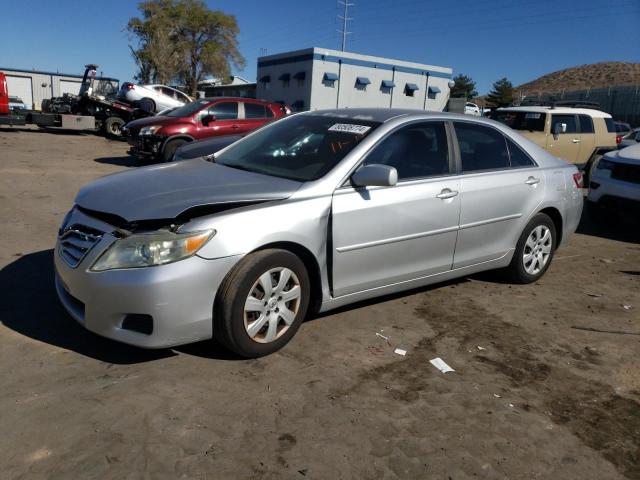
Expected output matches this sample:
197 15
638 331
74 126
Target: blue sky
486 39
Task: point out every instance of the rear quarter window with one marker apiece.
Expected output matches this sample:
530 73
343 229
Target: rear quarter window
611 126
586 124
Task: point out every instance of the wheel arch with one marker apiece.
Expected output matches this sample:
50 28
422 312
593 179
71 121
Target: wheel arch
181 136
311 263
556 218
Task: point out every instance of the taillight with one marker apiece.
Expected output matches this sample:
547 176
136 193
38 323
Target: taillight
129 86
578 179
618 138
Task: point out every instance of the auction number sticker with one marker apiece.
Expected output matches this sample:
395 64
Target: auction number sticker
532 115
349 128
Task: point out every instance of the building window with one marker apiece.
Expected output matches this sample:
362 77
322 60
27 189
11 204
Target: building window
299 77
285 78
362 82
410 89
298 105
329 79
387 86
266 81
433 92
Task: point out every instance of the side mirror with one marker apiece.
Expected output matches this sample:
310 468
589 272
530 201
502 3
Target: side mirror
559 128
207 119
638 137
375 175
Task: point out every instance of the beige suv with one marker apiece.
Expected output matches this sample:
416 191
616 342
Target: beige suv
577 135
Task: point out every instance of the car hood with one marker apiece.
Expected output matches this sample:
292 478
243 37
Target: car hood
136 125
205 147
626 155
167 191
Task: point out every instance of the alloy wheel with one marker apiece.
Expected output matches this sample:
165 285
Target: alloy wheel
537 250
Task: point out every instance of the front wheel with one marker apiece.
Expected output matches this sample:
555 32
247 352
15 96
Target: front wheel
534 250
113 127
262 303
170 149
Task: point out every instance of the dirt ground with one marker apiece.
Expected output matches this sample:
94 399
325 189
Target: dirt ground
531 397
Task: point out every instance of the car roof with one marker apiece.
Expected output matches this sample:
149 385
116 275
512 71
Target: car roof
385 114
569 110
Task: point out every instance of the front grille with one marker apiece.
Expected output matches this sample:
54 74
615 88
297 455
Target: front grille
76 241
626 172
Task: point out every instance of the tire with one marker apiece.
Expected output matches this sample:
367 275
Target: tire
243 287
529 270
170 149
113 127
147 105
588 167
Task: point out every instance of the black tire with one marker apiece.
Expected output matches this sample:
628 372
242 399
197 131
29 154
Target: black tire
113 127
147 105
516 271
170 149
229 315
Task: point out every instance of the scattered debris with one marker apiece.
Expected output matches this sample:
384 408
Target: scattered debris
511 405
480 348
303 472
618 332
497 396
594 295
627 307
382 336
400 351
441 365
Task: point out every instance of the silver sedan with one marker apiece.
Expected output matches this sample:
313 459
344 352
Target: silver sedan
312 212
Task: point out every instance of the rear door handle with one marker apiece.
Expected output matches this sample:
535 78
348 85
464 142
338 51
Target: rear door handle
446 193
532 181
235 127
575 140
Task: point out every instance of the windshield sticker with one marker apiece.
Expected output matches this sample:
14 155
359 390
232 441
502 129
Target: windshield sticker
533 115
349 128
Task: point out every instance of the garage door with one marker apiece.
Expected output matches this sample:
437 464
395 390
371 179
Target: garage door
69 86
21 87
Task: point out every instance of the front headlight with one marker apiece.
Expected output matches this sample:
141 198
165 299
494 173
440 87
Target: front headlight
150 130
146 250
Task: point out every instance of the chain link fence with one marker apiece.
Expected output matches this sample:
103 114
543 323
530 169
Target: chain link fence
622 102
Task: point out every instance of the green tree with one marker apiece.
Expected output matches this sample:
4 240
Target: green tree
464 87
502 94
183 41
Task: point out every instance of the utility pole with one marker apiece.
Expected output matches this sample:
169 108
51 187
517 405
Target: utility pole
345 18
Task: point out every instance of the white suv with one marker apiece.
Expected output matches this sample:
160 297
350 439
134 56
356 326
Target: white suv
152 98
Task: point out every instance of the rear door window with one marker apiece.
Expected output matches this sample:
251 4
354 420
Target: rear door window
481 148
518 157
586 124
611 127
521 120
253 110
225 110
569 120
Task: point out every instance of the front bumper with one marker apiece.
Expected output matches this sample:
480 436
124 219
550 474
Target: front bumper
145 146
179 297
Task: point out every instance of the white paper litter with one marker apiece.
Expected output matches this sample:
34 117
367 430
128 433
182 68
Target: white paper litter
481 348
400 351
441 365
382 336
496 395
627 307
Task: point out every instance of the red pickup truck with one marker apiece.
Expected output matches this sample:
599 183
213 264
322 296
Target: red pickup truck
158 137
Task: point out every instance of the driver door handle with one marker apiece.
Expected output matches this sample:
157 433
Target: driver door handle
235 127
575 140
532 181
447 193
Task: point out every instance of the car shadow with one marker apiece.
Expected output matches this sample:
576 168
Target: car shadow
55 131
609 225
29 306
126 161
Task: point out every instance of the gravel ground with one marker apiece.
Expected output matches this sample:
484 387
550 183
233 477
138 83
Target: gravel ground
531 397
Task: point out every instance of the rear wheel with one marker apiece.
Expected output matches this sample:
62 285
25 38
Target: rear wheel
170 149
534 250
147 105
262 303
113 127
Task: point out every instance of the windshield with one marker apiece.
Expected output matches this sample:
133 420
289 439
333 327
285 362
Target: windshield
531 121
301 148
188 109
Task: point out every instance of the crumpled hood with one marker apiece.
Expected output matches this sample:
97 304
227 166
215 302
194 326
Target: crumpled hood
166 191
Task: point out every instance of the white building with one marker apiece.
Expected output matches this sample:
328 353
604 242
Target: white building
33 86
317 78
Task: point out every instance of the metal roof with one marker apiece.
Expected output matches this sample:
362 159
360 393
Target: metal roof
567 110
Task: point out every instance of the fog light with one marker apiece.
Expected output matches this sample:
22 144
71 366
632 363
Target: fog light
137 322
